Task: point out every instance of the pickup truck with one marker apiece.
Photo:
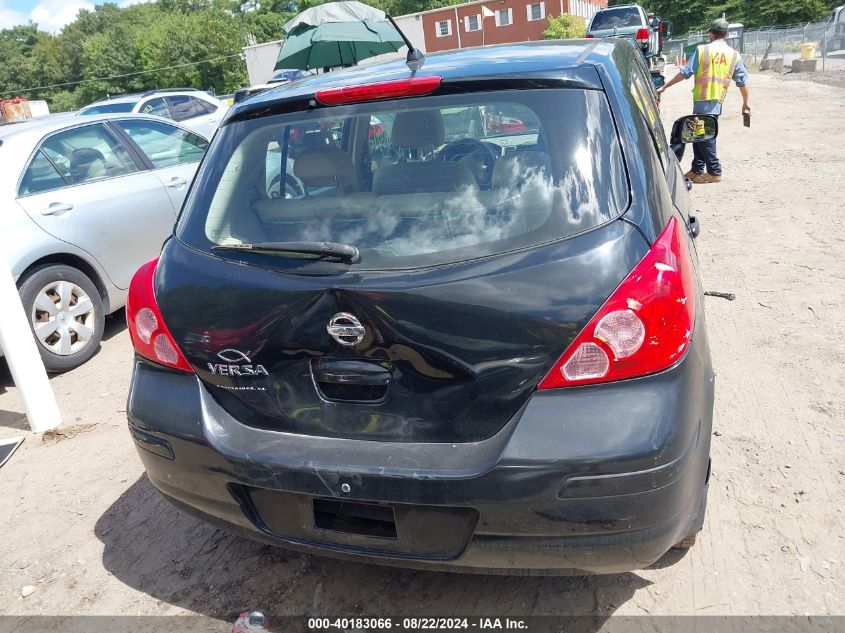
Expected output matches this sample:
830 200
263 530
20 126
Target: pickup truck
644 30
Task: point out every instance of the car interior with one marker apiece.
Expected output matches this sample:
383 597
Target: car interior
428 178
411 183
81 155
165 145
89 154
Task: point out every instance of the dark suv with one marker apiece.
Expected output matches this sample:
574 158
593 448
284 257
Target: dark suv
472 340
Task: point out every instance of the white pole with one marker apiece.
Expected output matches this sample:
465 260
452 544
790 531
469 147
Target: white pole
458 28
21 353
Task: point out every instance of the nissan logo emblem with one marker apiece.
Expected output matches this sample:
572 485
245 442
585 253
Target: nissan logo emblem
346 329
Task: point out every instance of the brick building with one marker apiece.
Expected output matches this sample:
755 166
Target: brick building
492 21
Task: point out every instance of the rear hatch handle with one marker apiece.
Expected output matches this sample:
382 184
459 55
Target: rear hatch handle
350 372
354 381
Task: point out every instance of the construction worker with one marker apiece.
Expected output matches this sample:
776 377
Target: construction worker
714 66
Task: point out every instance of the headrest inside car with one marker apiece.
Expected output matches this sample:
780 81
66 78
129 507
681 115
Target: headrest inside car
325 167
418 128
87 164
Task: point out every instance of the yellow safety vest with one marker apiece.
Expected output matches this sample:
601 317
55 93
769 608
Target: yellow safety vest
716 65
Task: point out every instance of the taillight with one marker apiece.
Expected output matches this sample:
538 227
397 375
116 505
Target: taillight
413 87
644 327
150 336
642 35
589 36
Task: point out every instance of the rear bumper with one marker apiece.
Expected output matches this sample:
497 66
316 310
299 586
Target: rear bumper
602 479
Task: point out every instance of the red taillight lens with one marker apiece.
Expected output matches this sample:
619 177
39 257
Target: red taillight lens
413 87
149 334
642 35
589 36
644 327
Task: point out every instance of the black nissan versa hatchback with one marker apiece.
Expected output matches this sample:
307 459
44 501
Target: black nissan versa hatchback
448 318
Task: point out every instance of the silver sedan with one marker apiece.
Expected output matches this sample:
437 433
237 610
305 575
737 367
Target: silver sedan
83 203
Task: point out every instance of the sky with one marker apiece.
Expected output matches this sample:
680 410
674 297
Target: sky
51 15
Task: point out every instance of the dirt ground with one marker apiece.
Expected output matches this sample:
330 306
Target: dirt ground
81 523
831 78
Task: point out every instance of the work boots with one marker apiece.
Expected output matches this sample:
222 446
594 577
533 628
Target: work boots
703 179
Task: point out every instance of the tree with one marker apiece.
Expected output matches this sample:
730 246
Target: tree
793 11
696 15
266 26
192 38
565 27
113 50
87 24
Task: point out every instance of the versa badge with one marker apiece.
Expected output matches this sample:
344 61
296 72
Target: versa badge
237 363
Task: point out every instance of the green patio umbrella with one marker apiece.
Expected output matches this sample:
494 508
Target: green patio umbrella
337 44
344 11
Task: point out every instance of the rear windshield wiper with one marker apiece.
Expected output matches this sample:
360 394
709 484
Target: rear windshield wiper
344 252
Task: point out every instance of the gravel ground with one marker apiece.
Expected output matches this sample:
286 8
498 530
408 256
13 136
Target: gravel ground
82 524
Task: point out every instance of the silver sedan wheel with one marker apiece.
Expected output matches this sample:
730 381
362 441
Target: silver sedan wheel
63 318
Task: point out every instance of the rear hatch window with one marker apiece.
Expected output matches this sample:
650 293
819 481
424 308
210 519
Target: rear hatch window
411 183
623 17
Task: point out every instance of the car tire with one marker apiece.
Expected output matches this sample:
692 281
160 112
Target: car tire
78 324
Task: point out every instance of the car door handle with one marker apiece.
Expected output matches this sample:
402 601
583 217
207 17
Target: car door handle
57 208
176 182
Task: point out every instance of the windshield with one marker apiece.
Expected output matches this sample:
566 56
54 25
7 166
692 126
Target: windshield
287 75
416 182
109 108
620 18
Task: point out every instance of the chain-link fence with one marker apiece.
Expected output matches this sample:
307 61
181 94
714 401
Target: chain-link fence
815 46
811 47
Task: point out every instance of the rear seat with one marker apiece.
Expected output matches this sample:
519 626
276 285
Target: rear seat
417 132
412 192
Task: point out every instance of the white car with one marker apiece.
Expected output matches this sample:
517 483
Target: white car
190 107
86 201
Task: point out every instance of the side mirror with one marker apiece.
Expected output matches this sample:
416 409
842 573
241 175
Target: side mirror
694 128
